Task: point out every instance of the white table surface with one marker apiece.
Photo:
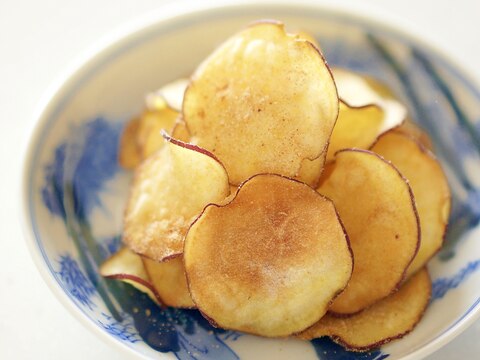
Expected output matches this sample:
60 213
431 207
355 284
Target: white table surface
38 40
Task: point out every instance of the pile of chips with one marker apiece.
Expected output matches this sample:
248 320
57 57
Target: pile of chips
281 198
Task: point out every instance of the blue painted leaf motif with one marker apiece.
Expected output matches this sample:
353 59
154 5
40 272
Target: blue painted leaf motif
124 331
186 333
326 349
87 161
74 280
441 286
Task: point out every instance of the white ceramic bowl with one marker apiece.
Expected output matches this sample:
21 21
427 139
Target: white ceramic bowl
74 192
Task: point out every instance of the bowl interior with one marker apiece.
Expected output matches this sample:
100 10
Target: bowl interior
75 192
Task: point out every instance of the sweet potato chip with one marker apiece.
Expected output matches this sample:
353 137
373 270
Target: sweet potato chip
429 186
377 207
389 319
152 122
127 266
129 155
309 37
416 132
168 279
355 128
311 171
357 91
263 102
170 189
270 261
180 131
172 93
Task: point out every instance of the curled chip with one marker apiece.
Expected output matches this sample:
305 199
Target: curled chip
377 207
180 131
170 189
127 266
389 319
309 37
270 261
359 91
415 132
152 122
168 279
429 186
311 171
129 152
356 127
263 102
172 93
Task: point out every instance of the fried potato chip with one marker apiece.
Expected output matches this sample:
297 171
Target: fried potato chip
170 189
416 132
152 122
263 102
429 186
389 319
270 261
127 266
355 128
180 131
309 37
377 207
168 279
172 93
129 153
311 171
359 91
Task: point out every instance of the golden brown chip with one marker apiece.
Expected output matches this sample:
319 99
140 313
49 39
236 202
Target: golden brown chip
377 207
429 186
127 266
270 261
387 320
129 153
263 102
168 279
170 189
355 128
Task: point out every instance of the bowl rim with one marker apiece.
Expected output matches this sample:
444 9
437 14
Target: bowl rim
181 11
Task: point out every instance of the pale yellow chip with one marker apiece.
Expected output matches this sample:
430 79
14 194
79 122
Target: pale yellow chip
270 261
389 319
152 122
263 102
378 210
172 93
168 279
357 90
416 132
128 267
355 128
309 36
180 131
170 190
129 155
429 186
